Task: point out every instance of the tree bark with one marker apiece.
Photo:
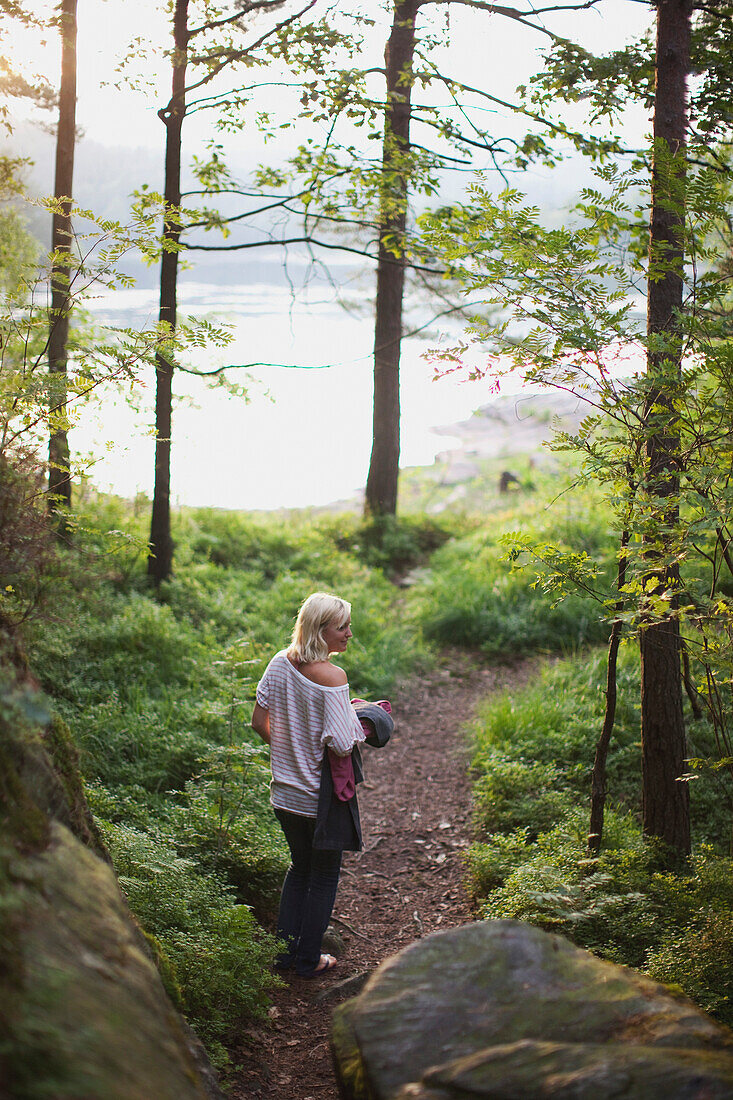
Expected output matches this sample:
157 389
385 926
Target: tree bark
59 479
381 487
598 775
160 558
665 798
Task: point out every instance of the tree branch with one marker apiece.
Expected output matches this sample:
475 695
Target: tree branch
247 9
246 366
553 126
217 371
305 240
230 57
283 204
519 16
208 101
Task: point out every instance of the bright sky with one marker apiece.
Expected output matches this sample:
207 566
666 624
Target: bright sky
478 45
219 445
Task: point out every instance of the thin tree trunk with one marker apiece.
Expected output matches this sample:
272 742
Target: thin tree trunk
381 487
598 776
689 683
665 798
160 559
59 479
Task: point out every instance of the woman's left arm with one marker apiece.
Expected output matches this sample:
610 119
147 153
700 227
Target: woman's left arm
341 729
261 722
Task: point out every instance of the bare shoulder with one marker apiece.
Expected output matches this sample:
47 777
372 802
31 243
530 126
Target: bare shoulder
325 674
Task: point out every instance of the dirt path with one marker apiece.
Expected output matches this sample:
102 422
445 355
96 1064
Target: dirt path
408 882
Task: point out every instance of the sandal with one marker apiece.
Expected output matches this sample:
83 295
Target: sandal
326 963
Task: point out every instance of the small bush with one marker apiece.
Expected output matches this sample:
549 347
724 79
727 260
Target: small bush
602 904
546 737
530 862
699 960
28 557
398 545
491 862
216 951
225 823
513 795
233 540
477 599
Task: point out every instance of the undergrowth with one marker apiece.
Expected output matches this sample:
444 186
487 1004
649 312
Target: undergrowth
158 691
478 597
533 754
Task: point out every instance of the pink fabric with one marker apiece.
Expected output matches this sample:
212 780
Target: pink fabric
342 774
383 703
342 768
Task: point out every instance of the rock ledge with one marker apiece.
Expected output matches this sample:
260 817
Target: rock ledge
503 1011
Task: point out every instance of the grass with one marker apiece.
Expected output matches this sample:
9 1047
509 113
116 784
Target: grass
158 693
482 595
533 753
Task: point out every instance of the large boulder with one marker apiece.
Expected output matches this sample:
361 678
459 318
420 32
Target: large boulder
502 1010
83 1011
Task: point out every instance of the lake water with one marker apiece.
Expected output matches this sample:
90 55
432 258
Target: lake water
303 437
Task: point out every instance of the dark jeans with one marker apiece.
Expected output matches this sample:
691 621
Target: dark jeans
308 894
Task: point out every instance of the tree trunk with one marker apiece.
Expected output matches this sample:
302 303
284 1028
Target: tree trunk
598 776
665 798
381 487
160 558
59 479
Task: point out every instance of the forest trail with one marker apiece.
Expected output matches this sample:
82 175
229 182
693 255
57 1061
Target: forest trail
415 808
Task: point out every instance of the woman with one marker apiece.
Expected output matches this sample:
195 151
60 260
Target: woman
303 709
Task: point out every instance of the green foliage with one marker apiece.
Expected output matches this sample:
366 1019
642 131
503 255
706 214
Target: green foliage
226 824
514 795
398 545
604 905
214 948
232 540
606 84
18 251
477 598
568 322
530 862
557 717
34 401
28 557
699 958
276 563
158 691
491 862
245 542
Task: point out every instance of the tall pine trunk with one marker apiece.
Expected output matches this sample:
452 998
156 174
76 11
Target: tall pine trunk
665 798
160 559
59 478
381 487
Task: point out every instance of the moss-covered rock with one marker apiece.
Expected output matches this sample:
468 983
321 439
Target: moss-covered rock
72 809
83 1010
502 1010
104 1012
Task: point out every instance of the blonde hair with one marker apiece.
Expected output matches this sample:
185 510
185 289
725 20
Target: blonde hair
315 614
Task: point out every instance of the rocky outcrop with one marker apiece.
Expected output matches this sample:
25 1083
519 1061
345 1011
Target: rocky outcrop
83 1011
503 1011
